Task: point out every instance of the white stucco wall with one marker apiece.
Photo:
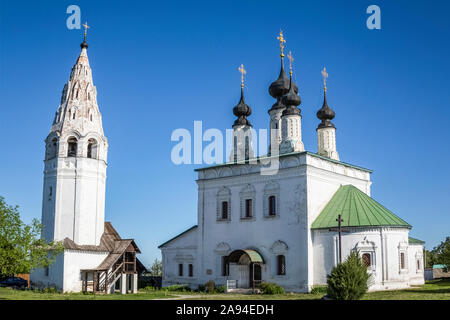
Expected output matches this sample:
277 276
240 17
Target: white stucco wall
304 185
180 250
64 273
384 245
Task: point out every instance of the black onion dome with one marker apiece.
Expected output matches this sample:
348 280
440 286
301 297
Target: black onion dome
291 100
280 87
325 114
242 111
84 44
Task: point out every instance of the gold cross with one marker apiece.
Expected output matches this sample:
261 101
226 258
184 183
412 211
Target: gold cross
325 76
282 42
85 25
242 71
291 59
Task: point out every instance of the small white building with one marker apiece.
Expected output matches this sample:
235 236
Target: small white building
73 204
255 227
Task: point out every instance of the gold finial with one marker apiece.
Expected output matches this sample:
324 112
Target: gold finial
242 71
291 59
282 42
325 76
85 25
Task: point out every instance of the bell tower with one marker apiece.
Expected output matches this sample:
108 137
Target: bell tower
73 203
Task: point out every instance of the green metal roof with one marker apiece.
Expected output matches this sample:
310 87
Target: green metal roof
357 210
412 240
253 255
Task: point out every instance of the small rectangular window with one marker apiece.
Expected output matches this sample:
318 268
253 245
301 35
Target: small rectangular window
272 203
248 208
225 266
47 271
180 270
402 260
224 210
191 270
281 261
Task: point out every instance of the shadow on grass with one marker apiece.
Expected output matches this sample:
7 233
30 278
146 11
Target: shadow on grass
431 291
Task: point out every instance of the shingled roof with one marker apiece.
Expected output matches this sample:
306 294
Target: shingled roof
357 210
110 242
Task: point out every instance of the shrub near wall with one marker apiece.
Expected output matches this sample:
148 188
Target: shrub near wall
271 288
348 280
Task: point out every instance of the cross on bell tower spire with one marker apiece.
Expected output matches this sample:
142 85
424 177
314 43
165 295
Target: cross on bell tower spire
282 42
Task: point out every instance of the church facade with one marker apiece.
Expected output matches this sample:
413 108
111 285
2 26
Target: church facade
95 257
281 227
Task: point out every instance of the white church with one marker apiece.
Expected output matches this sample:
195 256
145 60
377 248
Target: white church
95 257
281 228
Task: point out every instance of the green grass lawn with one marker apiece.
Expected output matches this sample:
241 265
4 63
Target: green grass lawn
432 290
12 294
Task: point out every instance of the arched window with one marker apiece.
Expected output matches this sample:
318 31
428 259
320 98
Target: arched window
72 147
366 259
272 206
223 204
281 265
92 149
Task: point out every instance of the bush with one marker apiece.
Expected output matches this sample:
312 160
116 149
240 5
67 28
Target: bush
271 288
220 289
210 286
178 287
150 288
50 290
348 280
201 288
319 290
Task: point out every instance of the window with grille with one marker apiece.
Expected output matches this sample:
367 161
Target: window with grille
224 210
402 260
366 259
281 269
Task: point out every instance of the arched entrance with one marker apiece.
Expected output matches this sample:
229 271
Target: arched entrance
245 267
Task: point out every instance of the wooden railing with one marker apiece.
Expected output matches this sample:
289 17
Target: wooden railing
112 278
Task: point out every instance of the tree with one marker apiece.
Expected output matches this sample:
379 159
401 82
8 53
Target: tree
156 268
440 254
348 280
21 248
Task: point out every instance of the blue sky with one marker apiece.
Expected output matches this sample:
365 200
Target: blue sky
159 66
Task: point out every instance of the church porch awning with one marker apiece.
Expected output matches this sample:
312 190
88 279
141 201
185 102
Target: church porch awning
253 255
